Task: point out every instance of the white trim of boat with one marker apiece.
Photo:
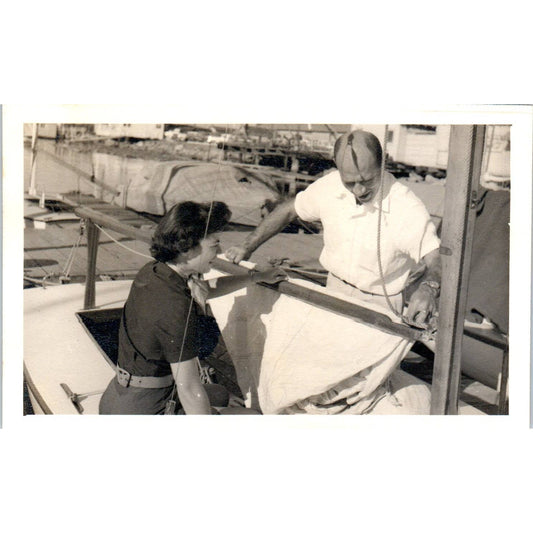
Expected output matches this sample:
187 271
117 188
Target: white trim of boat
57 348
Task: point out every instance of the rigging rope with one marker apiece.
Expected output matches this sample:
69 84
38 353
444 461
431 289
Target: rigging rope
120 244
400 315
41 281
381 187
65 274
171 404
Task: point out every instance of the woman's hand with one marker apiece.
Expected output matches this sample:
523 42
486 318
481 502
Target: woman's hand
270 276
227 284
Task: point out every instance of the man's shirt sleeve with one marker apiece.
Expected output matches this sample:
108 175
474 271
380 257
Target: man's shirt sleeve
418 234
307 202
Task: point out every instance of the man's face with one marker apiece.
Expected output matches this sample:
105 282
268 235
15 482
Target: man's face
363 182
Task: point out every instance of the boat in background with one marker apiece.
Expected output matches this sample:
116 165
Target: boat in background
153 187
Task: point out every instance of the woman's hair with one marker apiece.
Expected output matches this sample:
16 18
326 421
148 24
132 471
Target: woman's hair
184 226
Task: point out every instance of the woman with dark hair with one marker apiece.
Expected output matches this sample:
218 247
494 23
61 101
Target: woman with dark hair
158 331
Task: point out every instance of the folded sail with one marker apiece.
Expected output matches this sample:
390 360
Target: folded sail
291 356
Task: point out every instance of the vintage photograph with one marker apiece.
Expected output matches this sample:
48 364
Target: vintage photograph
266 268
298 209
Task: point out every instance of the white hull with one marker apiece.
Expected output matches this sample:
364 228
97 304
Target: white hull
57 349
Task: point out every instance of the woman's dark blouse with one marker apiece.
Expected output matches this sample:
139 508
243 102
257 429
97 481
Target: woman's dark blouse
155 322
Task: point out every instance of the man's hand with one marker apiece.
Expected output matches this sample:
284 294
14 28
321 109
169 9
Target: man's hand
422 305
271 225
236 254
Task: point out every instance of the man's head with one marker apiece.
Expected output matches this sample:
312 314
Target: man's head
358 156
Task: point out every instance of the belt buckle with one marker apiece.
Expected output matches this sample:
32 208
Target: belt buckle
124 377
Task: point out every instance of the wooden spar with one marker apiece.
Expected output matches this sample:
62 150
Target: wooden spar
358 313
464 168
337 305
81 173
92 216
113 224
93 234
32 190
503 388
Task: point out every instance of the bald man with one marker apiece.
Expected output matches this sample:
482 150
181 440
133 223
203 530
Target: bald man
349 202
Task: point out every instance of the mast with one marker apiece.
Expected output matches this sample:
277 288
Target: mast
462 182
32 190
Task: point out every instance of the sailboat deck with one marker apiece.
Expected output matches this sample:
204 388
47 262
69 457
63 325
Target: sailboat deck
47 251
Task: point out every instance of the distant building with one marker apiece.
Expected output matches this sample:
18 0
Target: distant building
136 131
427 145
411 144
45 131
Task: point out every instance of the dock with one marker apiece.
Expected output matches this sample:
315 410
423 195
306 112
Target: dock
58 251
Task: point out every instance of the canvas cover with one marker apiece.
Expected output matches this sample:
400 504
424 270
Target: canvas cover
488 287
155 186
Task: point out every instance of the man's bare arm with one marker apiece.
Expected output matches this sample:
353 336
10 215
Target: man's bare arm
272 224
434 266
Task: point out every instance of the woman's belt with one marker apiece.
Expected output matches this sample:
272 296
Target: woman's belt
145 382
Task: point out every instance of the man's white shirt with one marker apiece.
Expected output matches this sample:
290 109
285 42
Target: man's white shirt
351 232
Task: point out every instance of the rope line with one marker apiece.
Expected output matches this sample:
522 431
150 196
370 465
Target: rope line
399 315
41 281
70 260
245 214
381 193
120 244
172 402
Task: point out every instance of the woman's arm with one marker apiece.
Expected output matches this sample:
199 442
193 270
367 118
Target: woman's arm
226 284
191 392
